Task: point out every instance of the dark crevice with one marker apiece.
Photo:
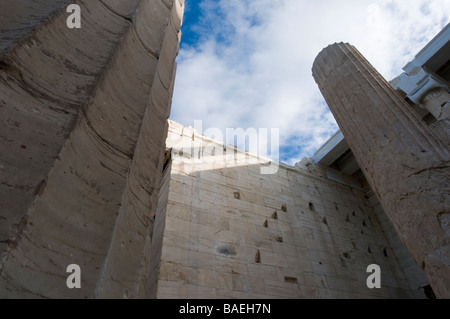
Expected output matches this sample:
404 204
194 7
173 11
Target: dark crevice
258 257
428 291
292 280
167 159
427 169
3 65
128 18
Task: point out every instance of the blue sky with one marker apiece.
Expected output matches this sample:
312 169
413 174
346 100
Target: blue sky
247 63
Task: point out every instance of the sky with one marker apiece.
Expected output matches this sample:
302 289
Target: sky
247 63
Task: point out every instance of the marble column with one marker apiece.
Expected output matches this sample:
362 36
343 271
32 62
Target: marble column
83 124
404 162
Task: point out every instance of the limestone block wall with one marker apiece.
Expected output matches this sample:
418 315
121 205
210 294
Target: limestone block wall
230 232
83 117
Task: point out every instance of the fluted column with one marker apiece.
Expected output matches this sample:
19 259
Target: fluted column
83 116
48 72
405 163
134 226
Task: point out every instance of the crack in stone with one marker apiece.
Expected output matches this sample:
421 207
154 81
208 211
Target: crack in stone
426 169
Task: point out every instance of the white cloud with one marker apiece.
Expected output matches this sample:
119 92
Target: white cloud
252 65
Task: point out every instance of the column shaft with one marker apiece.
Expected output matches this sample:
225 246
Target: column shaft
94 127
405 163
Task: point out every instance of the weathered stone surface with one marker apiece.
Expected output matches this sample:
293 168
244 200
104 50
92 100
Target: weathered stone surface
45 80
89 94
442 130
19 17
405 163
229 232
127 9
438 103
86 178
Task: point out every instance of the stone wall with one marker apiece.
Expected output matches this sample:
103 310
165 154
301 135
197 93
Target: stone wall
231 232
